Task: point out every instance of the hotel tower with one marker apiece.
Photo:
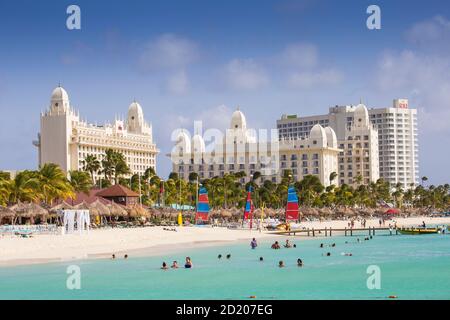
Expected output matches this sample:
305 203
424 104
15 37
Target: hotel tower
359 128
66 140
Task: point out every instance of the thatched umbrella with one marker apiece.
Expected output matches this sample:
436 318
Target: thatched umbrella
226 214
97 208
117 210
61 206
6 213
29 210
137 211
82 206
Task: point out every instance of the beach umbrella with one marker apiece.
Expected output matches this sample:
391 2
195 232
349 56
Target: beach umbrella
82 206
392 211
29 210
6 213
117 210
97 208
61 206
137 211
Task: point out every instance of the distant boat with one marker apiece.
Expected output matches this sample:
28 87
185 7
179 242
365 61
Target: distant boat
414 231
249 208
202 206
292 205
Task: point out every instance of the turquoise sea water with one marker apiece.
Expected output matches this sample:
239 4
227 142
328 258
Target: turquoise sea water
412 267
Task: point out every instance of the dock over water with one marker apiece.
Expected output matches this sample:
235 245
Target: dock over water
371 231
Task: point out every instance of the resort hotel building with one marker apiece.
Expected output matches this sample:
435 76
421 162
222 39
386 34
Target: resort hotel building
240 151
381 142
66 140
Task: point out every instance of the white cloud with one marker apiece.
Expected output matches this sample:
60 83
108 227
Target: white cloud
423 77
245 74
178 83
434 32
319 78
299 55
168 51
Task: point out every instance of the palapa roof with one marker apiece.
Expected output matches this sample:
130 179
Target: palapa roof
6 212
61 206
117 190
116 209
137 211
28 209
82 206
99 209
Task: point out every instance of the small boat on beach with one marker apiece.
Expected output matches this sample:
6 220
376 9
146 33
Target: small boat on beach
414 231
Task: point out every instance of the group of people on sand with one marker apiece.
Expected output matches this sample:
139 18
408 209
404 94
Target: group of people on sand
187 265
287 245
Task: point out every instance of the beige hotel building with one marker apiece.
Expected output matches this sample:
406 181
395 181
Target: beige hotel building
396 131
239 150
66 140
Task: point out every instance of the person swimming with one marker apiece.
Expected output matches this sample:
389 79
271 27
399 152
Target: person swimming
219 256
347 254
228 256
113 256
261 259
125 256
321 245
253 244
299 262
294 245
287 244
164 266
276 245
174 265
281 264
188 263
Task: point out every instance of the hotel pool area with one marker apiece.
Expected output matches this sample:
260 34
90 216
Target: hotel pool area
412 267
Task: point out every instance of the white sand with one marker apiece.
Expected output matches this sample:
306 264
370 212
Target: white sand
149 241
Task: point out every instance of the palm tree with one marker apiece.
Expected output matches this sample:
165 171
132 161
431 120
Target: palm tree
91 165
424 179
114 165
53 183
24 187
333 176
5 191
80 181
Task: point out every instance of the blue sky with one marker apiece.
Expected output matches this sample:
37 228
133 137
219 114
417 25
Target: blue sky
198 60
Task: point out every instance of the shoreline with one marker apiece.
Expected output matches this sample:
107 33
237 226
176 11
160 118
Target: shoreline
150 241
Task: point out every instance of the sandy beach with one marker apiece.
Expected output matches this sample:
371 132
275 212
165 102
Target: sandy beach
102 243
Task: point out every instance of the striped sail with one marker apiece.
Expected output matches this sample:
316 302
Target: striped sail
248 211
292 205
202 205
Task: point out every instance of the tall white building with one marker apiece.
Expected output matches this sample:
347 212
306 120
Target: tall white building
398 149
66 140
239 150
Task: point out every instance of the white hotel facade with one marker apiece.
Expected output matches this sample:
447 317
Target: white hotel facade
66 140
240 151
396 131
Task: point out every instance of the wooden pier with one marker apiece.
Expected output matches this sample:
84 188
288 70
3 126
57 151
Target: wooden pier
328 232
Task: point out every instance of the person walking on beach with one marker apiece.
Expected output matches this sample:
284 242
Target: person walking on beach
253 244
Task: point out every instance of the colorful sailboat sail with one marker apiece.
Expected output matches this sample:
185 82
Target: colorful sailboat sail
292 205
202 205
249 208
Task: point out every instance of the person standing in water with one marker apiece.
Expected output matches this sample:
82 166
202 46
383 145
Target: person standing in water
253 244
188 263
